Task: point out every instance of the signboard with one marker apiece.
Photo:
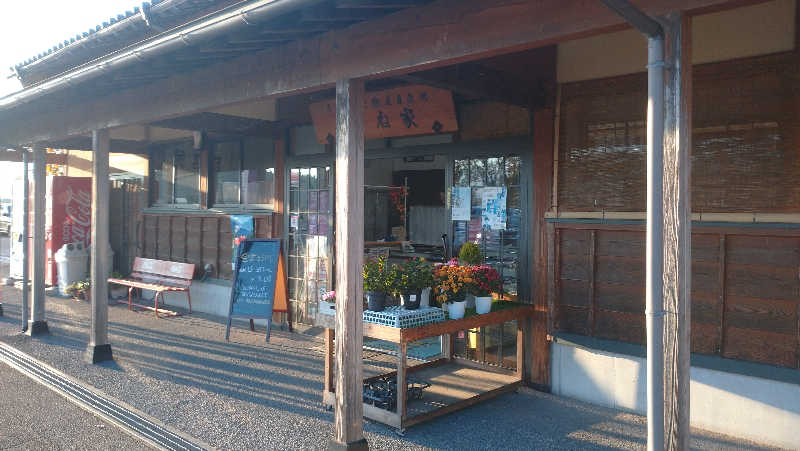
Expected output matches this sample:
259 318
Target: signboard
259 282
493 208
242 228
406 111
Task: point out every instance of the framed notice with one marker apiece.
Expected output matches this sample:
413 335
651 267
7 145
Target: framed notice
460 203
493 208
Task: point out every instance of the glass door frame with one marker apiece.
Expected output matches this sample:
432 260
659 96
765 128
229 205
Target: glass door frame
517 145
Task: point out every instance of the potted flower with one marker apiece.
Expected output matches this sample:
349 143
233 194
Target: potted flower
410 279
485 281
78 290
376 283
117 291
327 304
452 285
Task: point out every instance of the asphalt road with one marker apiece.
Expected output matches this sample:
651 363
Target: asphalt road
34 417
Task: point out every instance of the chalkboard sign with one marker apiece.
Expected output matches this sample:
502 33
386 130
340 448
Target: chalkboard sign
257 278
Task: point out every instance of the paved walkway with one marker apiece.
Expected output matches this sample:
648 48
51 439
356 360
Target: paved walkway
248 394
34 417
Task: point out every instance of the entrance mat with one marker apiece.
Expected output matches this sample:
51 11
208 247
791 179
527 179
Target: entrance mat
421 350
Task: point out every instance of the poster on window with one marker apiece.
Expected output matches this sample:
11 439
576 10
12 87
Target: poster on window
460 203
493 208
242 228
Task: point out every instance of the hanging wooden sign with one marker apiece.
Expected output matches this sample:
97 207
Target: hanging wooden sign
406 111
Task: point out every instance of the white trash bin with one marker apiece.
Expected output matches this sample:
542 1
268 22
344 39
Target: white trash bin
72 262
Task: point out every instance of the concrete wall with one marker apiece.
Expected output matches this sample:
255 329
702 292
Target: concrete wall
211 297
762 410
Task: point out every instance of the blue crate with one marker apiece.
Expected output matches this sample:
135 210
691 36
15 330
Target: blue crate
399 317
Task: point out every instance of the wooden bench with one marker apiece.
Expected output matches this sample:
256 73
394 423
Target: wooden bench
158 276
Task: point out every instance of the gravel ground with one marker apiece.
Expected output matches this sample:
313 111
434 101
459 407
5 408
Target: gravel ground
248 394
34 417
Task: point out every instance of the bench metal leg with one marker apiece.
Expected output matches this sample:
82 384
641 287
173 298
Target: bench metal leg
158 293
189 296
130 298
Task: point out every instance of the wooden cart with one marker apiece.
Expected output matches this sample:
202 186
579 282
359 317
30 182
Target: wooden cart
455 382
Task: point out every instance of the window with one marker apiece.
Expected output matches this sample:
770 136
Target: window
244 173
176 175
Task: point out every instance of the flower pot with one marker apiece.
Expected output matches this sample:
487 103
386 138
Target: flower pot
425 298
375 300
483 304
411 300
470 301
456 309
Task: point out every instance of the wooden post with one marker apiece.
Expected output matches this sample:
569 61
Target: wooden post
677 229
37 324
539 349
99 349
349 259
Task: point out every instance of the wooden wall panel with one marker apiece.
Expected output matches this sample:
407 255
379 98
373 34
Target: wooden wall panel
194 241
745 288
225 249
197 239
178 239
163 251
614 297
760 346
210 243
618 326
149 236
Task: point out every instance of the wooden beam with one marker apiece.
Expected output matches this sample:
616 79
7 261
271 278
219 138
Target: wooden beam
99 349
348 420
677 229
328 14
16 157
212 122
441 33
399 4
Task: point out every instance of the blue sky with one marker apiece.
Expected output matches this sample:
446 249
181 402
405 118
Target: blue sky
31 26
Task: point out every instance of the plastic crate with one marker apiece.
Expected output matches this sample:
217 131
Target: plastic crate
401 318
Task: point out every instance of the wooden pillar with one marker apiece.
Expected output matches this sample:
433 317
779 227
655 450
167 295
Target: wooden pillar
543 129
349 260
677 228
99 349
37 325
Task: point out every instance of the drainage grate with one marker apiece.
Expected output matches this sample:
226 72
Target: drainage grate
135 423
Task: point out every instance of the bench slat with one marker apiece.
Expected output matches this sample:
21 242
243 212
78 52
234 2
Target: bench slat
164 268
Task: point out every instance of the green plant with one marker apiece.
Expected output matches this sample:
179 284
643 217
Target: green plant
470 254
115 275
78 289
377 277
411 276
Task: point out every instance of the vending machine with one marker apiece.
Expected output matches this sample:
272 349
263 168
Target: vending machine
68 219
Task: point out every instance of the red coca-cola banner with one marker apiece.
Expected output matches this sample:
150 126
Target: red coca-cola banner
69 216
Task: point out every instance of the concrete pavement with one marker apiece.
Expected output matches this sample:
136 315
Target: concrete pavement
248 394
34 417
